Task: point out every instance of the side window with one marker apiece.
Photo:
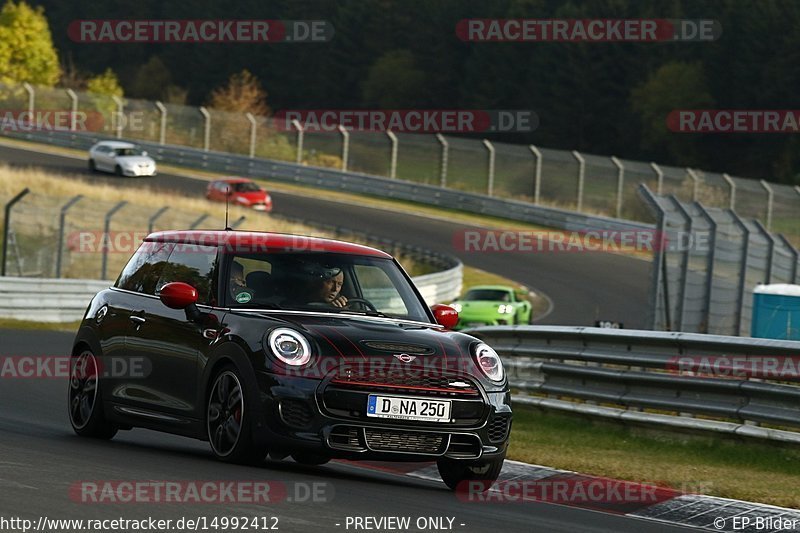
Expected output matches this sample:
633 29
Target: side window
144 268
195 265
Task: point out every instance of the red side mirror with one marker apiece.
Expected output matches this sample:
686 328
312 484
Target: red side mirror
178 295
445 315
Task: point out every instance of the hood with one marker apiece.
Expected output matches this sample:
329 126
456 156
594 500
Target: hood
480 306
255 196
134 159
358 337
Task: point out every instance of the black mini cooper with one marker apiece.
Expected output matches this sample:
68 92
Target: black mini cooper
286 345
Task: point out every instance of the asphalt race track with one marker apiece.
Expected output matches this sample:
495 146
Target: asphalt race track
41 458
583 286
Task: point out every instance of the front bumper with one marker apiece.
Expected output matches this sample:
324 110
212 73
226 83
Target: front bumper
139 171
313 415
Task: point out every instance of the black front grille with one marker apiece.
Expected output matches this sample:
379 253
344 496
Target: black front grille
498 428
295 413
345 438
405 441
417 380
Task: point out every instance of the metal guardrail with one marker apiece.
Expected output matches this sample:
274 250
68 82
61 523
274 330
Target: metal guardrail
349 182
676 380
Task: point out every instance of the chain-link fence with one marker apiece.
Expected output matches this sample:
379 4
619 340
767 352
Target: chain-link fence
709 262
567 179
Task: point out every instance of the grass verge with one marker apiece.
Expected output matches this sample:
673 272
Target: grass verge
725 467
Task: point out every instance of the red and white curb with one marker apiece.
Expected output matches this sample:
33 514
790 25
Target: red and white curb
526 483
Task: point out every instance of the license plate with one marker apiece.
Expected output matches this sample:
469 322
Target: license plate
408 408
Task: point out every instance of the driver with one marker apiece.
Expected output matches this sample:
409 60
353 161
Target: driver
326 286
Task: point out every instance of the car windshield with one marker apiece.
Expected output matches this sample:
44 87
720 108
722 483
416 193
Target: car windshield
128 151
322 282
491 295
247 186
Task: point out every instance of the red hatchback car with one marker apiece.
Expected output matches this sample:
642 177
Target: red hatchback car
242 191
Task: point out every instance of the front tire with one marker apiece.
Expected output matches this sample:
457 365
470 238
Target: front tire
228 419
92 166
464 476
118 171
85 403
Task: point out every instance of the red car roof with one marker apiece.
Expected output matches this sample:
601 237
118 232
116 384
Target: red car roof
262 241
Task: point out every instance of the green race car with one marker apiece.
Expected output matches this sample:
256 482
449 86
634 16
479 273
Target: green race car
492 305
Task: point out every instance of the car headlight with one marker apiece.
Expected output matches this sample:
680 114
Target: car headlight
457 307
505 309
489 362
289 346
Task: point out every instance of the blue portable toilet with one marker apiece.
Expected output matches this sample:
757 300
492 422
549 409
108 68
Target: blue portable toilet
776 312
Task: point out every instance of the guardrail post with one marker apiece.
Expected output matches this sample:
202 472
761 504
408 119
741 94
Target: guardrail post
31 98
299 128
253 126
7 225
152 220
770 248
742 271
659 178
710 256
770 200
73 116
106 231
695 183
393 158
732 186
120 112
206 128
537 174
238 222
443 162
62 219
162 127
620 184
490 177
581 175
345 146
199 221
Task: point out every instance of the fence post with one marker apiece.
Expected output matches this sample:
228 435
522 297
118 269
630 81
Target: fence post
162 126
620 183
393 159
73 116
710 256
199 221
659 178
120 112
152 220
62 220
742 270
581 174
206 128
7 225
659 260
299 128
443 170
795 255
695 183
253 126
770 200
680 311
345 146
106 231
732 185
770 248
537 174
31 98
490 180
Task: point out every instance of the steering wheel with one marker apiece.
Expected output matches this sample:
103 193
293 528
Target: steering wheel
366 303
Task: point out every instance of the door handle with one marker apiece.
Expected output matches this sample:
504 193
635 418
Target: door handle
138 319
